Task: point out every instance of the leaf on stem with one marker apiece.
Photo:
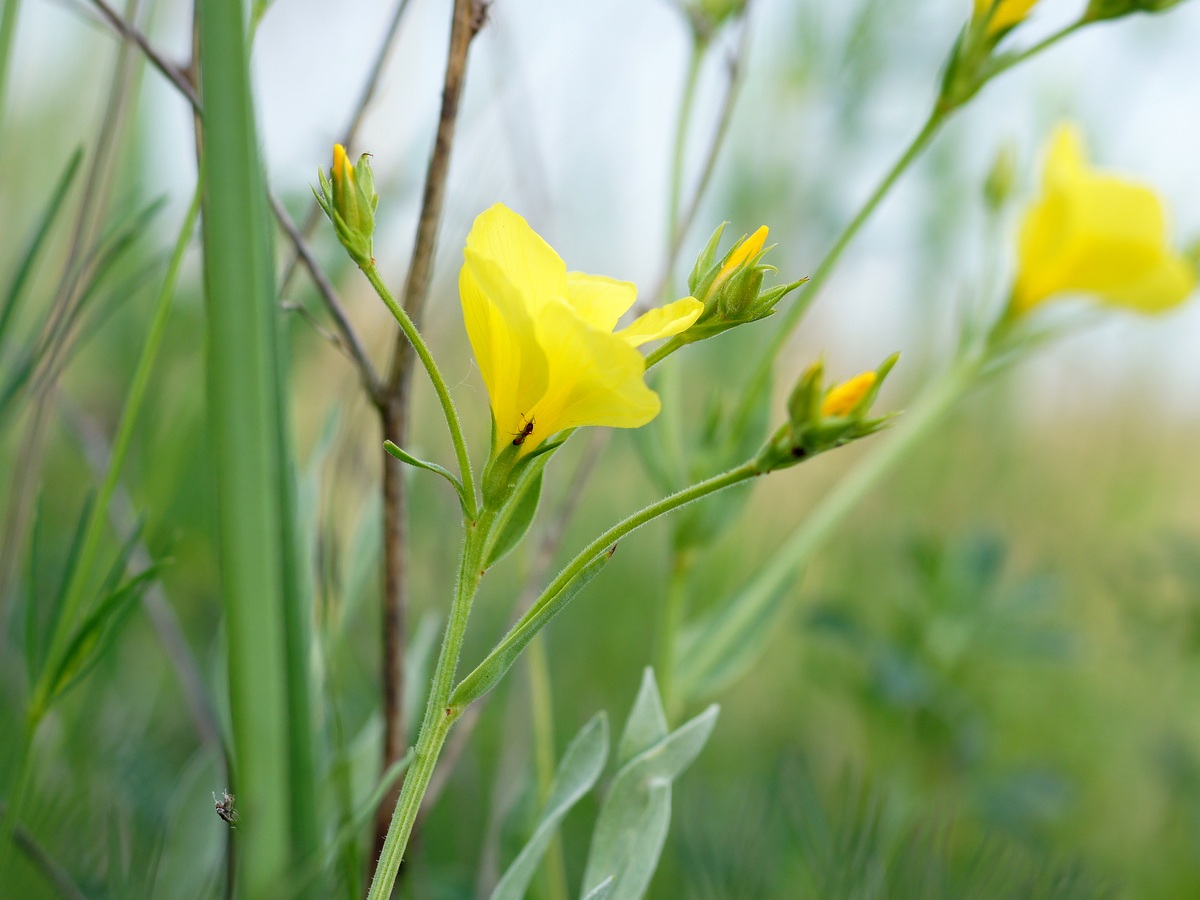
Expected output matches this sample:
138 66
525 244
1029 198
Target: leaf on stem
504 654
406 457
632 826
577 772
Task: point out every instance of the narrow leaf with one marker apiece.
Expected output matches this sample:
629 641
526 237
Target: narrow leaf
25 268
577 772
634 818
406 457
97 633
647 722
602 890
504 654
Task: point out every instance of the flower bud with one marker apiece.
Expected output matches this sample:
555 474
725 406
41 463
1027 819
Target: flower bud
1098 10
731 289
1002 178
349 200
821 418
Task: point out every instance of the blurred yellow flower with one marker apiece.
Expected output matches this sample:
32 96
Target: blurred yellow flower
1099 234
843 398
1008 12
544 340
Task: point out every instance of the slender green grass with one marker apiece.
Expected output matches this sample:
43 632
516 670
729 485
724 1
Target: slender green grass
264 621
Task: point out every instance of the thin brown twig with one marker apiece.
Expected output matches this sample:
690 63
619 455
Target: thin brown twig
468 18
348 338
175 74
350 132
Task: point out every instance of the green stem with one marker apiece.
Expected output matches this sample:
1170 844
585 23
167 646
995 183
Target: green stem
554 871
1044 44
439 716
673 612
691 80
791 316
17 796
439 385
644 517
501 658
928 411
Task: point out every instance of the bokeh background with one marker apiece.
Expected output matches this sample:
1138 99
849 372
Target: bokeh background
992 674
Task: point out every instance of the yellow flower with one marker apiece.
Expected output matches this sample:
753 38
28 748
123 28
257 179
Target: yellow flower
1008 12
842 398
1098 234
544 340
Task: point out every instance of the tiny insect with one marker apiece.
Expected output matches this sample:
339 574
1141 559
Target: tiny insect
225 807
526 431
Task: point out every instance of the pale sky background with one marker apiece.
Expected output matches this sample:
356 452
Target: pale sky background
568 117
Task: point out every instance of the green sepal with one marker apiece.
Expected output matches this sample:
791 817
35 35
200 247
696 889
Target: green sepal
504 654
406 457
514 520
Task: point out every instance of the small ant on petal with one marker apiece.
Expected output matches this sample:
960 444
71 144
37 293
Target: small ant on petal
526 431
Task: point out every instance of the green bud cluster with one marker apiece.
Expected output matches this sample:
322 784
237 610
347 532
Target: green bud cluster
821 418
348 198
731 287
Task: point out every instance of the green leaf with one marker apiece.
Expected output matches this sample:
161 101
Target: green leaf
406 457
727 640
632 826
25 268
504 654
602 890
577 772
647 722
97 634
516 517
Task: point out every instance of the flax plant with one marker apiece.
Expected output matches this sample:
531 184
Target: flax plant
545 342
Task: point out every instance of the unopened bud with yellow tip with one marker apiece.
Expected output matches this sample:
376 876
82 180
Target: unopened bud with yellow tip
998 16
349 200
821 418
730 287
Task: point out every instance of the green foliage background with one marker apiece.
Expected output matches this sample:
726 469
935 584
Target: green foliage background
985 687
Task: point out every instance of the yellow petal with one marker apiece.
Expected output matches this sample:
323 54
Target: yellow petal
1099 234
600 301
746 251
842 399
1008 12
504 338
530 265
596 378
665 321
